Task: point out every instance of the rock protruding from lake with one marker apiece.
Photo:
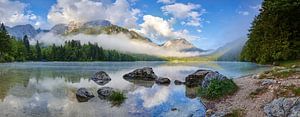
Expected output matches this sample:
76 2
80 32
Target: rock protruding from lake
283 107
163 81
145 73
105 92
83 95
196 78
178 82
213 75
101 78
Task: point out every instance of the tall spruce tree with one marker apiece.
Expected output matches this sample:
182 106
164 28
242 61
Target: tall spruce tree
5 41
275 33
38 51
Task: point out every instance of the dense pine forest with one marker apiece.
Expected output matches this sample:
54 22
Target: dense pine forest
12 49
275 33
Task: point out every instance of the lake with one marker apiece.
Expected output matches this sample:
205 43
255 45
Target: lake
47 89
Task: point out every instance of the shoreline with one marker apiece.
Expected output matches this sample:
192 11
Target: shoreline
255 92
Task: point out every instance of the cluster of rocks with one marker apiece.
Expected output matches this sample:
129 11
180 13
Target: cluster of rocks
101 78
83 95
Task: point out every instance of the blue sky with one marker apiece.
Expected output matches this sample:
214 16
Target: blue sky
206 23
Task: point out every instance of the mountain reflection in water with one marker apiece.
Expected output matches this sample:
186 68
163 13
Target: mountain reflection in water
48 89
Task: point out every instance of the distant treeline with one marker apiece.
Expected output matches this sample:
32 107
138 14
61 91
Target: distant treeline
275 33
12 49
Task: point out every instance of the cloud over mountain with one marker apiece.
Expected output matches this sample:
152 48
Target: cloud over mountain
119 12
15 13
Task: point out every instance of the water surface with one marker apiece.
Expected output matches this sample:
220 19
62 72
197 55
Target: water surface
47 89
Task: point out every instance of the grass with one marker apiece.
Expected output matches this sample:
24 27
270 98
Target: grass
283 74
296 91
289 63
218 89
258 91
117 98
236 113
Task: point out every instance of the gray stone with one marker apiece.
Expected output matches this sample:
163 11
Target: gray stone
212 76
164 81
283 107
83 95
101 78
105 92
196 78
145 73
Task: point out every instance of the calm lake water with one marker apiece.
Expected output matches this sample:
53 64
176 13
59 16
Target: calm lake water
47 89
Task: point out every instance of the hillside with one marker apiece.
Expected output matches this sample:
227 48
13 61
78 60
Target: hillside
275 33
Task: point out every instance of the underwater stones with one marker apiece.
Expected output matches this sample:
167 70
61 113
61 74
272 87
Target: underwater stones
178 82
163 81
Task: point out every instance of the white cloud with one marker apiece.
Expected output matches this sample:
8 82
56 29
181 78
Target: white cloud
120 42
118 13
160 29
188 12
245 13
166 1
14 13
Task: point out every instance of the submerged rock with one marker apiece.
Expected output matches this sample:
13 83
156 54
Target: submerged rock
143 83
283 107
83 95
178 82
212 76
164 81
101 78
145 73
196 78
105 92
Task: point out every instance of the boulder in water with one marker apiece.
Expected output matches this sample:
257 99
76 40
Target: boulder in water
145 73
213 75
83 95
105 92
196 78
101 78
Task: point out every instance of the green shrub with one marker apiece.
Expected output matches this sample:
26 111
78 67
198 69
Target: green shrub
297 91
117 98
218 89
236 113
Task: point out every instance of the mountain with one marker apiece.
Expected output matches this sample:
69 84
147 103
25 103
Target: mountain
230 51
59 29
95 23
94 28
181 45
20 31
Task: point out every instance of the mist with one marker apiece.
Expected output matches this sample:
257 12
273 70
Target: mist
120 42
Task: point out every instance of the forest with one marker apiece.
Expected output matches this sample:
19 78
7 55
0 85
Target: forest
275 33
12 49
